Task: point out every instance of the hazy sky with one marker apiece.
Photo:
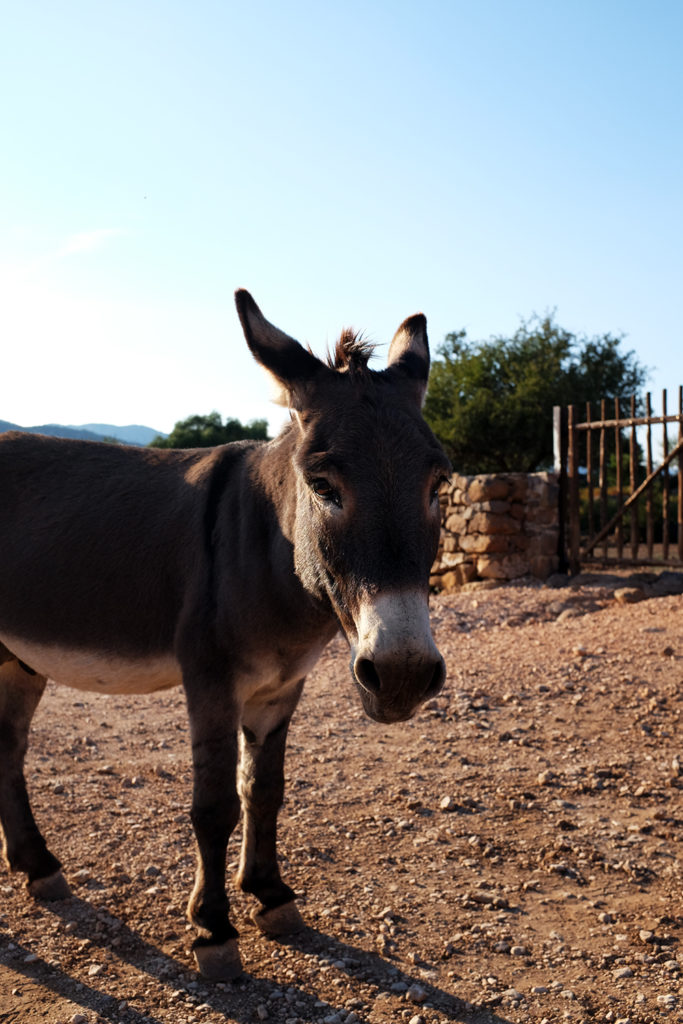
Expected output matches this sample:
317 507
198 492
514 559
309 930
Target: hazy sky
349 163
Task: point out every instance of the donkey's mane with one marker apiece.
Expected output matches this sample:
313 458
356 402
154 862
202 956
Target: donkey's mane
351 352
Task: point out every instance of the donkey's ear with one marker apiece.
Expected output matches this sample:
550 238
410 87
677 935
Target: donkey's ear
409 353
291 368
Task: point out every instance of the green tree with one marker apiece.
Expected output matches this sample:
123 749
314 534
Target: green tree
491 402
206 431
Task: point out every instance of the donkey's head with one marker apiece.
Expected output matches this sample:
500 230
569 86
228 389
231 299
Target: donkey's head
367 519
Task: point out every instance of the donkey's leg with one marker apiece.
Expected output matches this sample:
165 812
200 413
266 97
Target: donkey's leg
24 847
261 788
215 811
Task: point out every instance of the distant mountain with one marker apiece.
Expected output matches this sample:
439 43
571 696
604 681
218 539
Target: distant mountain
133 434
136 435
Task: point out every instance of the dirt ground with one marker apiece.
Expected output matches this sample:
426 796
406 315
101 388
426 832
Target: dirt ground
514 853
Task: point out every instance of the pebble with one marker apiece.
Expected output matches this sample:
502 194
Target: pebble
513 995
262 1012
622 972
628 595
668 1000
484 898
519 951
416 994
78 1018
448 803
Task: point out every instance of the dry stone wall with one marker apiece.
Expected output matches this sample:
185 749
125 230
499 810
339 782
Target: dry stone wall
497 527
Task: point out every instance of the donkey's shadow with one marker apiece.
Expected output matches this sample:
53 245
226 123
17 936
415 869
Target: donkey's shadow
237 1001
386 975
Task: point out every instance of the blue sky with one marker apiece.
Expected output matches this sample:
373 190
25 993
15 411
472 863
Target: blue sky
350 164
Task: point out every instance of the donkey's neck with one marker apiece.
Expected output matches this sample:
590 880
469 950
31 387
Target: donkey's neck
273 474
275 492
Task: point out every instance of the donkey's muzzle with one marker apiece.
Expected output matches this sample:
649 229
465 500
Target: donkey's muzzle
391 692
396 663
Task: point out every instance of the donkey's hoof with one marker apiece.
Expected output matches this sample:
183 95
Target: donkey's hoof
279 921
52 887
219 963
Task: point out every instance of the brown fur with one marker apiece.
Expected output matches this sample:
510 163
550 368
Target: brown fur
352 352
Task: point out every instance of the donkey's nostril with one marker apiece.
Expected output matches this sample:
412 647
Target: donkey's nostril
367 675
437 680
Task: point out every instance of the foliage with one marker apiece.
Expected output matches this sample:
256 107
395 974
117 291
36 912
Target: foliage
206 431
491 402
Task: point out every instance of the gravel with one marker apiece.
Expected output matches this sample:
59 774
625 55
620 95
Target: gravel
514 853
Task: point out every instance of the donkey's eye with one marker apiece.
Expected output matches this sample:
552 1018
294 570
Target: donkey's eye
324 489
436 487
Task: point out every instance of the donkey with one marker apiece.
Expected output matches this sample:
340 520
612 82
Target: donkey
227 571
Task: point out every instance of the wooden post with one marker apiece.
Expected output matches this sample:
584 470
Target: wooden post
649 521
679 523
574 524
619 482
589 471
665 483
602 479
560 468
632 480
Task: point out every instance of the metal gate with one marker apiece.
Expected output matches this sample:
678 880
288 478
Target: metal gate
616 506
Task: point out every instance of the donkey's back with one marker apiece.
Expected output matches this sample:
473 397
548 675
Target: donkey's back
99 545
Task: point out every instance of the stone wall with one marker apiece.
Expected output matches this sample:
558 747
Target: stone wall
497 527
